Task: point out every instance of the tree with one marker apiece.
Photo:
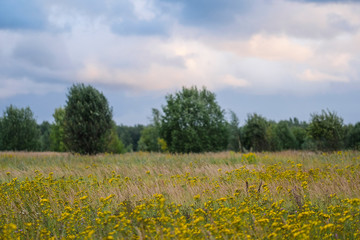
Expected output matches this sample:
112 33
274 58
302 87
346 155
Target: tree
149 139
273 142
1 145
326 129
114 144
254 130
298 128
234 142
353 137
193 122
150 135
45 140
57 131
130 136
19 130
286 137
87 120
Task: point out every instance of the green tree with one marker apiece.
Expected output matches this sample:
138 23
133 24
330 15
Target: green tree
255 133
193 122
286 137
57 131
1 130
326 129
87 121
149 139
130 136
45 141
272 138
150 135
298 128
19 130
114 145
234 142
353 137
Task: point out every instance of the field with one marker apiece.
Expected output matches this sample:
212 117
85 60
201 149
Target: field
286 195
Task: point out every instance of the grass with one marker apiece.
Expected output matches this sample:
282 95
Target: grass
295 195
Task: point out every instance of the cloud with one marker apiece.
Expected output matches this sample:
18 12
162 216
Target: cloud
263 47
193 64
327 1
22 14
270 47
145 9
209 13
316 76
235 82
138 48
42 52
140 27
33 55
13 87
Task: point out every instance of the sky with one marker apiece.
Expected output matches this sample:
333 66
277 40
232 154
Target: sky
277 58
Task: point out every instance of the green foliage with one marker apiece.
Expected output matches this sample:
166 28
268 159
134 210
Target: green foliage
149 139
285 136
255 133
300 136
193 122
234 142
298 128
19 130
45 141
272 139
57 131
114 145
87 121
163 145
1 147
326 129
130 135
353 137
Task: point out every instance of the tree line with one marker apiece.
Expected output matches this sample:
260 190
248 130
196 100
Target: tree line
191 121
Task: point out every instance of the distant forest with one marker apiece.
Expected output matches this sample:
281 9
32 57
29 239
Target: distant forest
191 121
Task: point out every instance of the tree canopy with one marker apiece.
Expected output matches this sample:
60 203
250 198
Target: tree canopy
19 130
190 121
193 122
57 130
87 120
254 131
327 130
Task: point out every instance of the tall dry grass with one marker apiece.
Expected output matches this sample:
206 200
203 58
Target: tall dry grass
181 176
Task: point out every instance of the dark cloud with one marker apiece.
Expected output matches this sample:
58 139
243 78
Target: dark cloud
39 59
21 14
210 12
36 62
339 22
327 1
140 27
42 53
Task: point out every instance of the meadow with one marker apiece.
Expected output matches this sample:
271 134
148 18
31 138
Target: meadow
228 195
